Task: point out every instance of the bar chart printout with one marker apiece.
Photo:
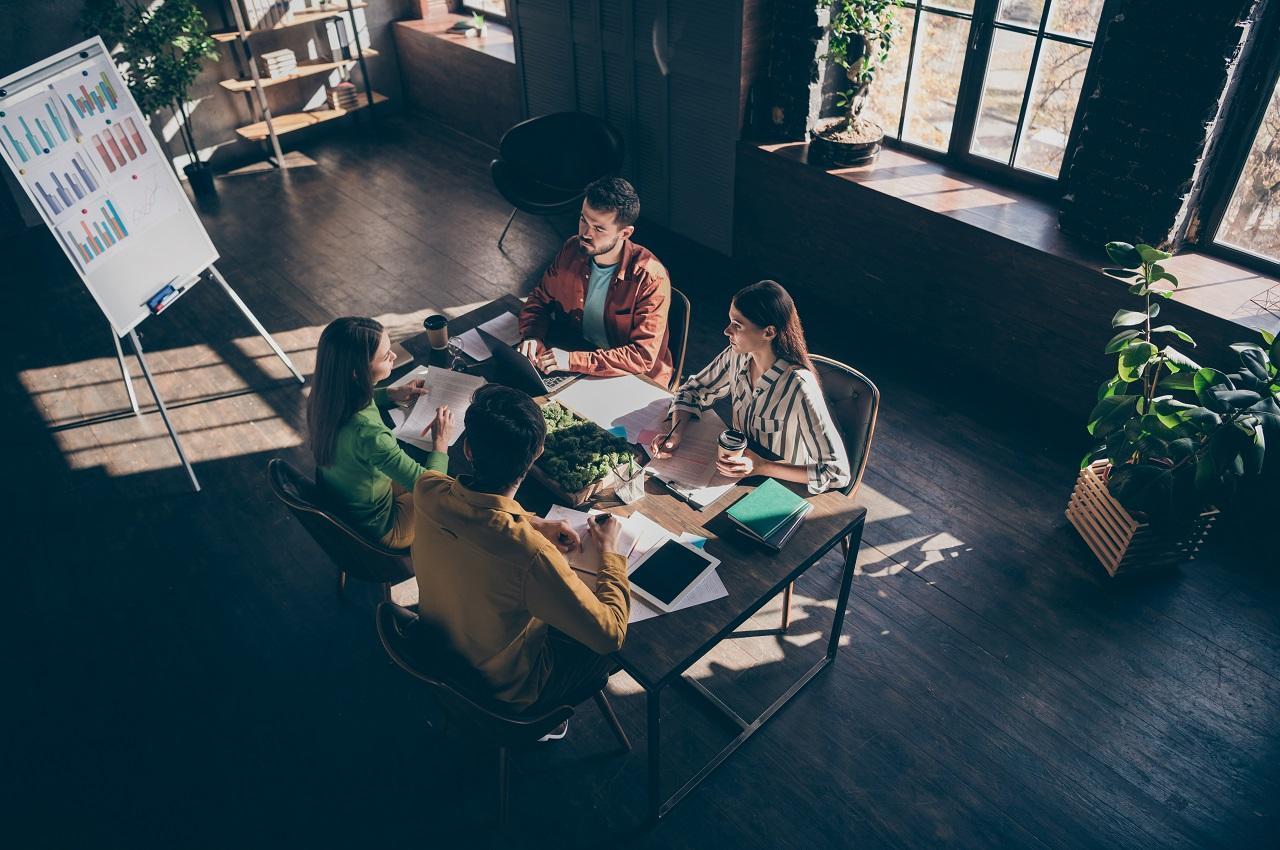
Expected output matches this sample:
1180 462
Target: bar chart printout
63 187
93 98
97 235
34 130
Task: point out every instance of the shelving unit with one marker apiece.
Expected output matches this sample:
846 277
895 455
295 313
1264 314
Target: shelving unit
270 127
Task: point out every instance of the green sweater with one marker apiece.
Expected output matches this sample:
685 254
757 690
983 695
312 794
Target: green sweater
366 460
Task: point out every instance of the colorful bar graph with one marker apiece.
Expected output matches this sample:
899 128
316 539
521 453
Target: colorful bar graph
16 146
99 235
92 101
37 132
57 122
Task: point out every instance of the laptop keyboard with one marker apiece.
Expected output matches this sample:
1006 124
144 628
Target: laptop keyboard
555 382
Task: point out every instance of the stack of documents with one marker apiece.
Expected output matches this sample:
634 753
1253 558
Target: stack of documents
444 386
506 328
691 472
639 535
627 403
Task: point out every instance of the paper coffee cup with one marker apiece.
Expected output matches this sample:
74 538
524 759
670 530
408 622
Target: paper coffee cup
732 443
437 328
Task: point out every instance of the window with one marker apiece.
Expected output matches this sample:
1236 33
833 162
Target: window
495 9
993 82
1250 223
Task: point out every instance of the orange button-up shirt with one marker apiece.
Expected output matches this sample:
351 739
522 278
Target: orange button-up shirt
635 314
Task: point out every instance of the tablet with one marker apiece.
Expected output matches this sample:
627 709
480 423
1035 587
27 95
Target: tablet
667 573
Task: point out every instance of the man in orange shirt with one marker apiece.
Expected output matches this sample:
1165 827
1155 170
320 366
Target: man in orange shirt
601 307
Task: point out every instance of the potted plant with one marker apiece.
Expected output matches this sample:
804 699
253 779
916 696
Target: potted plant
859 36
581 461
1176 438
161 48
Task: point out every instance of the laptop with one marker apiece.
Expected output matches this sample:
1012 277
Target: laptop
514 369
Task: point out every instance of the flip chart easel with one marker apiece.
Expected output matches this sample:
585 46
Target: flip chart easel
85 155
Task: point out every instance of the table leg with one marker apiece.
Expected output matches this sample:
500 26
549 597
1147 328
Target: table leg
846 584
655 764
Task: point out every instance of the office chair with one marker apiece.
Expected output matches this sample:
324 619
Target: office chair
545 163
853 401
678 333
422 651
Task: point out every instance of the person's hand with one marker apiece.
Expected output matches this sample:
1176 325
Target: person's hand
529 348
559 532
668 440
546 362
406 393
738 467
605 531
441 428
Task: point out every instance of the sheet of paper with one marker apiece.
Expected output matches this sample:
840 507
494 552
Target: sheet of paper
691 471
505 327
626 401
444 386
709 589
588 560
472 345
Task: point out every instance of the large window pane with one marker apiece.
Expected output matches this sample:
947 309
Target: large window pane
884 103
1076 18
1024 13
956 5
935 80
1002 93
1059 75
1252 220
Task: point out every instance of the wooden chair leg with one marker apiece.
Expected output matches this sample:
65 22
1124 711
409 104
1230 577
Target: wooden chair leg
342 582
786 606
602 702
510 219
503 767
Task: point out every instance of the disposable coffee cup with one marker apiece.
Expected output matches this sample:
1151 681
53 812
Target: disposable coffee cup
437 328
731 444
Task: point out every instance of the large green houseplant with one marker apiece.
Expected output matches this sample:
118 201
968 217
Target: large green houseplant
1179 437
159 48
859 37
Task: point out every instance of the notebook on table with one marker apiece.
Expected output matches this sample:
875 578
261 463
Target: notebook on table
769 514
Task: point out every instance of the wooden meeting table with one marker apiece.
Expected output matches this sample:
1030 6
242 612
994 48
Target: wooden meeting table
659 651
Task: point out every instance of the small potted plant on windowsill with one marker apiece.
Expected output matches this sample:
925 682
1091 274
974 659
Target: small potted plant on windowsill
859 38
1176 438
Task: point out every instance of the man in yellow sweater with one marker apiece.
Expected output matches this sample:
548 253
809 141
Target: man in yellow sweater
493 577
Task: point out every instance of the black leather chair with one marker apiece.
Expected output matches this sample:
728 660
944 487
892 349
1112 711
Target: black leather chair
424 652
678 333
545 163
853 401
350 551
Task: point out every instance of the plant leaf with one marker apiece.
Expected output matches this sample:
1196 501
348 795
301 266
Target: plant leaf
1120 340
1254 360
1177 361
1150 255
1124 254
1179 382
1133 359
1111 413
1164 275
1120 273
1237 399
1154 311
1170 329
1127 318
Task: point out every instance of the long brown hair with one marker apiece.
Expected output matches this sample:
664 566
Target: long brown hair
343 381
766 303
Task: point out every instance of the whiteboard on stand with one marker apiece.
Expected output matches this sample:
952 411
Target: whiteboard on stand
85 155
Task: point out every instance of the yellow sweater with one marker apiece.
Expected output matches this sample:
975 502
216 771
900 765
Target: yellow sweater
494 585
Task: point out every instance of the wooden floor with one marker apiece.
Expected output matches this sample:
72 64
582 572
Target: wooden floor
182 674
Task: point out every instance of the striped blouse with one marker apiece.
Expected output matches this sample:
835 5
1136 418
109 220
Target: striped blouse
784 413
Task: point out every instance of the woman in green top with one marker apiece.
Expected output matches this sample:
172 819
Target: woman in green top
360 467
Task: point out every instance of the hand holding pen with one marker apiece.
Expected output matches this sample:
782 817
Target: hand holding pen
666 444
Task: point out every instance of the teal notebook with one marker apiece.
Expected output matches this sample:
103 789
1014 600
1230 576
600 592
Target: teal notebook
766 509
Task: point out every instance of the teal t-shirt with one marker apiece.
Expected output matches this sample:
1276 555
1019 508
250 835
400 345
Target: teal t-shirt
593 306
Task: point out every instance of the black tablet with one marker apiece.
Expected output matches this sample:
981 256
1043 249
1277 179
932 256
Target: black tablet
668 572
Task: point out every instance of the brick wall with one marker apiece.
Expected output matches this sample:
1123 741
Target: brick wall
1154 111
790 96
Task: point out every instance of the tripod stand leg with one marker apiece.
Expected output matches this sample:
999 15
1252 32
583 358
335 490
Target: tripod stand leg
164 413
124 373
231 293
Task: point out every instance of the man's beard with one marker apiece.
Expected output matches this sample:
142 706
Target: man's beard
594 249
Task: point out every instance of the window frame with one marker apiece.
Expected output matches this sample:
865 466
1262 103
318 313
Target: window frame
465 8
982 29
1257 76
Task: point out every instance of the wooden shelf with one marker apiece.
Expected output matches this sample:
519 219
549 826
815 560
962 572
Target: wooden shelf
257 132
303 71
297 19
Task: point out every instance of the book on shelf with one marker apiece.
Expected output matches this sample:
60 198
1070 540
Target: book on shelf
769 514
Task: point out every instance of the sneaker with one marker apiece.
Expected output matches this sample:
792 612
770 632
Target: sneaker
556 734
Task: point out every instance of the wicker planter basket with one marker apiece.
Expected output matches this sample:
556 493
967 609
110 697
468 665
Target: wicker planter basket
604 488
1118 540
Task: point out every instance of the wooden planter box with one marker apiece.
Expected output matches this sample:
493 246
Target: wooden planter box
604 488
1118 540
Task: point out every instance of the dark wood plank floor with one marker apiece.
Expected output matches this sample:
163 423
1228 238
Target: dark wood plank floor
181 672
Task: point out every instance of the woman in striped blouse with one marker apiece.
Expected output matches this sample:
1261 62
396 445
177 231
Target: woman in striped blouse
777 403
